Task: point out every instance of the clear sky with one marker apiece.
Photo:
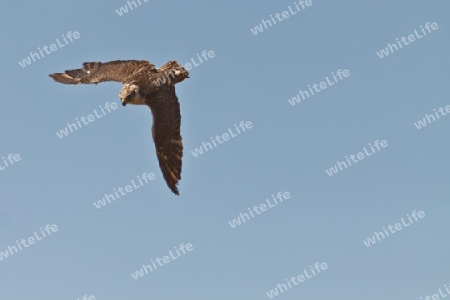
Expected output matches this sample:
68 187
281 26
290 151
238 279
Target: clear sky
291 149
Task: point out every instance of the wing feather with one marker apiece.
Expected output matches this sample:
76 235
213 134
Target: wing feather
96 72
166 135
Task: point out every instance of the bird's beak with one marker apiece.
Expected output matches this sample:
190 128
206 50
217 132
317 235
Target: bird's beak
124 102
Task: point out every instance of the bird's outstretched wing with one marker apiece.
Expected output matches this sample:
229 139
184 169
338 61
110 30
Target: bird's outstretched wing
166 135
95 72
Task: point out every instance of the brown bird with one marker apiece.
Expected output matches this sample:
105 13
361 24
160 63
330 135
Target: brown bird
143 84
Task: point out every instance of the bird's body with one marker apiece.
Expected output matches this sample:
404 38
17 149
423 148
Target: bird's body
143 84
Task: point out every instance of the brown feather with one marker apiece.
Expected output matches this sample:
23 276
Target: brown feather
144 85
166 134
96 72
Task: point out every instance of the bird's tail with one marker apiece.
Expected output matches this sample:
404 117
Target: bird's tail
170 65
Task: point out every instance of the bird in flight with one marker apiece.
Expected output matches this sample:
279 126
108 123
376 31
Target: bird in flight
143 84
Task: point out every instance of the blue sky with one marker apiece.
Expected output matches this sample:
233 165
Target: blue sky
288 149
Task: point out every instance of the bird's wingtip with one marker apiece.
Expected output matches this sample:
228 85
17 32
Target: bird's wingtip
54 76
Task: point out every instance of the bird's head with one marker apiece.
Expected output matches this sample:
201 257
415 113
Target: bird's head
130 95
